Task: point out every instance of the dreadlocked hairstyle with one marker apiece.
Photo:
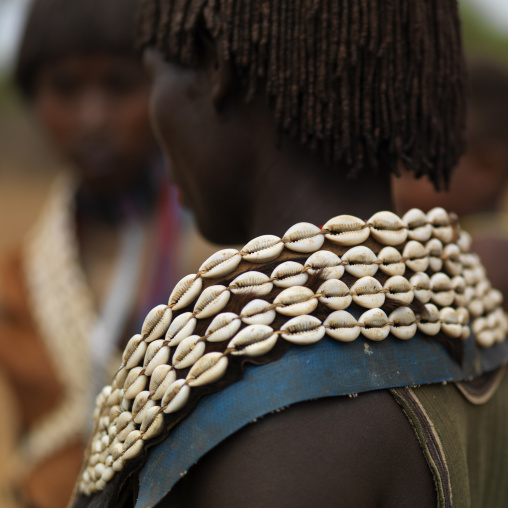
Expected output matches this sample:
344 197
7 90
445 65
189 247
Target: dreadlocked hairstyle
59 28
370 83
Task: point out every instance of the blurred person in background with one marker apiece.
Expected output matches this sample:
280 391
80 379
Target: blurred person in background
478 188
334 360
110 241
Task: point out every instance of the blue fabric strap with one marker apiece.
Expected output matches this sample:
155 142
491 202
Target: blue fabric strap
327 368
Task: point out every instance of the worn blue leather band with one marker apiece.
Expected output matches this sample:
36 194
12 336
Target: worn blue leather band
325 369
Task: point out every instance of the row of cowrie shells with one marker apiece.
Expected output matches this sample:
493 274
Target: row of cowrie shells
122 440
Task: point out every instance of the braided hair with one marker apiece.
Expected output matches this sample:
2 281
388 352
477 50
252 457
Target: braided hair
367 83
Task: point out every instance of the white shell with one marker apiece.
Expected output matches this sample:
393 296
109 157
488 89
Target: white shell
176 397
263 249
153 423
421 287
418 227
223 327
162 377
464 241
188 352
327 263
341 325
361 261
133 353
254 340
367 293
123 420
375 324
399 289
476 307
435 249
430 325
258 312
442 230
404 323
185 292
304 237
416 256
156 354
220 264
388 228
346 230
133 445
450 322
208 369
451 257
335 294
142 403
156 323
183 326
486 338
296 301
134 383
303 330
211 301
459 287
122 436
442 289
289 274
255 283
392 263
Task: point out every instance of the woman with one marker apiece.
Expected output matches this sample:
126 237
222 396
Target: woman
107 246
278 112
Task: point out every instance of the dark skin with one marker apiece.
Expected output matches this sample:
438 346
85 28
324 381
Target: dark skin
241 182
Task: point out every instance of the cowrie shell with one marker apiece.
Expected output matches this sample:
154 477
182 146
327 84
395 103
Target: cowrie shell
463 316
476 307
335 294
223 327
303 237
346 230
367 293
492 299
208 369
289 274
341 325
153 423
162 377
296 301
134 383
188 352
464 241
482 288
123 420
220 264
360 262
435 249
133 354
416 256
391 260
107 475
430 325
399 289
211 301
156 323
254 340
183 326
451 257
255 283
327 263
303 330
440 219
485 338
388 228
176 397
141 404
450 322
459 287
156 354
404 323
185 292
133 445
258 312
418 228
442 290
421 287
375 324
263 249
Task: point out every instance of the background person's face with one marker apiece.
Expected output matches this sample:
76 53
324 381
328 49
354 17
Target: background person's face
95 111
